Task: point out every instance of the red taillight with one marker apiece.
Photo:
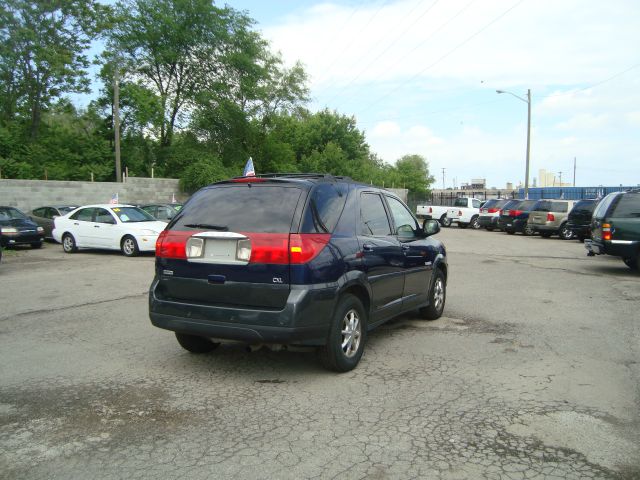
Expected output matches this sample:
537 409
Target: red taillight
550 217
282 248
515 213
305 247
172 243
493 210
430 210
459 213
606 231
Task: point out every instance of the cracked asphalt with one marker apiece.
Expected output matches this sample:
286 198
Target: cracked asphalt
533 372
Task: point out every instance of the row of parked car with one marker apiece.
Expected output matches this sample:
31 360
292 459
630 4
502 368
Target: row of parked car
124 227
609 225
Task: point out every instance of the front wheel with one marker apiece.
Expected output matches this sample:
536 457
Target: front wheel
347 336
437 297
565 232
475 223
129 246
632 263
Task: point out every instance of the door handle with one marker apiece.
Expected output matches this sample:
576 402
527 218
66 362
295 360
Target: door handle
405 248
76 223
367 247
96 226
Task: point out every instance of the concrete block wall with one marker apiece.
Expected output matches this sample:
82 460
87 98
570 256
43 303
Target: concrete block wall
29 194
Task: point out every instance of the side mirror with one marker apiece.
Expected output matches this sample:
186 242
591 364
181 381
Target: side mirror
430 227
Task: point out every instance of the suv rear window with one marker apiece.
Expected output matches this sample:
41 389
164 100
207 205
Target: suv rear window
548 206
603 206
525 205
584 207
241 208
628 206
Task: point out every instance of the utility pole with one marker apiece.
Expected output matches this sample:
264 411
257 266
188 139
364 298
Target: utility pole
574 171
443 169
560 173
116 123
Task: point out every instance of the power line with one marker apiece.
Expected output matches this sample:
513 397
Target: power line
335 58
597 84
450 52
404 31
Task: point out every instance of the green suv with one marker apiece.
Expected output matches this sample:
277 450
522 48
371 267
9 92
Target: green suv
615 227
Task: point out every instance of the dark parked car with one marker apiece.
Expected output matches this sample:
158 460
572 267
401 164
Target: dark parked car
615 228
514 219
44 216
579 219
294 260
490 212
164 211
19 229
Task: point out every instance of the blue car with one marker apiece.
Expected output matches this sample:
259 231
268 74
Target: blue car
16 228
298 259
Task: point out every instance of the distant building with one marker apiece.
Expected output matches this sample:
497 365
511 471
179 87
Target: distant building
476 184
549 179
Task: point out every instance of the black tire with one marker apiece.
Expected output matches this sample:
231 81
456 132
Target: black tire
36 245
349 324
446 222
195 344
545 234
632 262
129 246
437 297
528 231
69 243
475 223
565 232
442 219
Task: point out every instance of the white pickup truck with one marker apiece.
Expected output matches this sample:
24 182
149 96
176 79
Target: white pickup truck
465 211
441 213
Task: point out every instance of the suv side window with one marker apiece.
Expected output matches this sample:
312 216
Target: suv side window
39 212
373 216
324 208
404 222
628 206
475 203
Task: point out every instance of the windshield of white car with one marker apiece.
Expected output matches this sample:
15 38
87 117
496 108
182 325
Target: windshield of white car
132 215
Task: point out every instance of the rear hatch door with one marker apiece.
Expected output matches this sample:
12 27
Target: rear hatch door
229 245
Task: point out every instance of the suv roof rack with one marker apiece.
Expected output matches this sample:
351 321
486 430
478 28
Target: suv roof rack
303 175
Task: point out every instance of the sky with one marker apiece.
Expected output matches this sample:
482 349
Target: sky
420 77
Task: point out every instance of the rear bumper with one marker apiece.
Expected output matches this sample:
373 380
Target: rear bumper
617 248
515 225
488 221
538 227
580 230
305 318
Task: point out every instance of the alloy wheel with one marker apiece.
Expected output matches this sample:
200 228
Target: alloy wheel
351 333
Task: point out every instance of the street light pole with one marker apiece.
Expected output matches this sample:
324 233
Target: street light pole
528 102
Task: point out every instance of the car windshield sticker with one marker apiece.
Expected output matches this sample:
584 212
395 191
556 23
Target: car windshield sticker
116 209
124 217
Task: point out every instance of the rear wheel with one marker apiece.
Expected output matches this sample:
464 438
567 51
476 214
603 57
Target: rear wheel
442 219
565 232
632 262
446 222
195 344
475 223
437 297
69 243
347 336
528 230
129 246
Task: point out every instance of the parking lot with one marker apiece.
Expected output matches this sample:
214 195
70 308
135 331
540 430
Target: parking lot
532 372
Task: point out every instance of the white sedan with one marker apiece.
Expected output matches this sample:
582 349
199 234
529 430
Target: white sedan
111 227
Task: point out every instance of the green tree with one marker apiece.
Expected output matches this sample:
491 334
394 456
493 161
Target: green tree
412 172
43 53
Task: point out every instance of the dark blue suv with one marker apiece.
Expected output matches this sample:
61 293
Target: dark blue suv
294 259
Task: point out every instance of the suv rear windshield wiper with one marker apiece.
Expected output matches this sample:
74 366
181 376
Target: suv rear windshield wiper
220 228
